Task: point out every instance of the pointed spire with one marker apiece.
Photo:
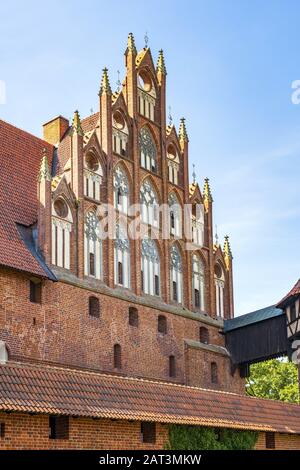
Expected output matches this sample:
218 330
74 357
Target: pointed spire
105 85
227 252
44 172
76 123
206 191
182 131
161 66
131 43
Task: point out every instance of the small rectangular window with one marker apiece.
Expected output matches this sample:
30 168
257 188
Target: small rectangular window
148 432
270 440
120 273
2 430
133 317
58 427
92 264
156 280
35 294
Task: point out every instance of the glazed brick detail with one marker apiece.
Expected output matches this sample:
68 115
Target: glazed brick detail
24 431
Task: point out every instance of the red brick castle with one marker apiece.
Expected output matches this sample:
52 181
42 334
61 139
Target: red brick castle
105 341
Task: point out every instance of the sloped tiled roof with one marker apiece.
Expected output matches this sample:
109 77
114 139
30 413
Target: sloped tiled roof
293 292
55 390
252 317
20 157
90 122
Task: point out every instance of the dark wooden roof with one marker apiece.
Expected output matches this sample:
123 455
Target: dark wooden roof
252 317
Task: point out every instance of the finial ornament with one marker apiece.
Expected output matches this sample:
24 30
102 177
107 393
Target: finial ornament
170 116
105 85
161 67
118 81
207 196
146 38
76 123
182 131
131 43
194 174
227 252
44 172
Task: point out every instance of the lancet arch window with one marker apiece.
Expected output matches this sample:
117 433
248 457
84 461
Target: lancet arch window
173 164
198 224
198 282
92 246
149 204
176 273
122 257
120 134
148 150
93 176
150 267
61 230
175 216
219 289
146 95
121 190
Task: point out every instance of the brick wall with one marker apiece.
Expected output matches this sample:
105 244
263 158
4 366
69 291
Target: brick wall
24 431
60 330
198 367
282 441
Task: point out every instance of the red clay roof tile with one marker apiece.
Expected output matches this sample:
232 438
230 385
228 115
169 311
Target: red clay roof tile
20 157
293 292
55 390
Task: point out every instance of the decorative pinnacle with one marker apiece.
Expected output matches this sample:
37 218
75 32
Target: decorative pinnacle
105 85
182 131
146 38
76 123
227 251
44 172
161 66
131 44
206 191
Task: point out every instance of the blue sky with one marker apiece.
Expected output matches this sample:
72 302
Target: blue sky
230 68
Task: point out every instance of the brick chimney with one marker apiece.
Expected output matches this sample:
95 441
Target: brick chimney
54 130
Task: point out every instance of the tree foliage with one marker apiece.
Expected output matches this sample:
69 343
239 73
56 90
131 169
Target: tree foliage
276 379
183 437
